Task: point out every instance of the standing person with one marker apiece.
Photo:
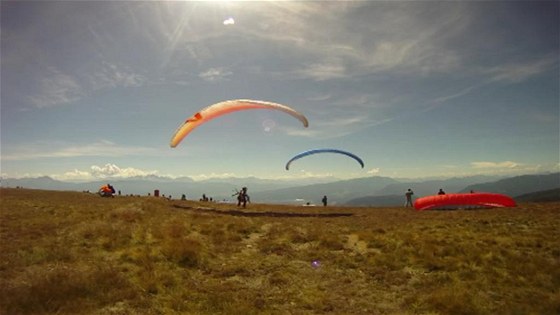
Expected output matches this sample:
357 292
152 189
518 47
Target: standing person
408 195
441 192
111 188
324 200
242 197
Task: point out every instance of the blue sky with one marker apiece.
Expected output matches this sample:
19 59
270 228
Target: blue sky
95 89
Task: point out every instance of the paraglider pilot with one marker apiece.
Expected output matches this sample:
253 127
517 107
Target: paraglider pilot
408 195
106 191
242 197
441 192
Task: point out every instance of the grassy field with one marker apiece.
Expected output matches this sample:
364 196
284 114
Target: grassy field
77 253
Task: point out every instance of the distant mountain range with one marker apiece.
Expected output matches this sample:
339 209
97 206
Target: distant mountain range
338 192
367 191
378 201
541 196
519 185
521 188
218 189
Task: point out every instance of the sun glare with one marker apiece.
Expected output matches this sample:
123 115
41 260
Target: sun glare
229 21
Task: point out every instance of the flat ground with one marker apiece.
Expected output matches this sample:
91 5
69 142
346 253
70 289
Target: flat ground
78 253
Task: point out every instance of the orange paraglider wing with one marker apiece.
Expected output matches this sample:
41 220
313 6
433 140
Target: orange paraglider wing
227 107
463 201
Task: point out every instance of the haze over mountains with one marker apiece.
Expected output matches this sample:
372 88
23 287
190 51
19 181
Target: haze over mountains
512 186
367 191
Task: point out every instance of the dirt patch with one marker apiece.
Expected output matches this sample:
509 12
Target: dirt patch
263 213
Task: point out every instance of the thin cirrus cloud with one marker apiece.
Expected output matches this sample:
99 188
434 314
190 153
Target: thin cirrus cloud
511 167
406 44
495 165
403 45
58 88
505 74
517 72
347 66
110 76
322 71
215 75
332 127
102 148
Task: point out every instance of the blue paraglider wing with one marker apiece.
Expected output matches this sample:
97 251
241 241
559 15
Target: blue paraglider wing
315 151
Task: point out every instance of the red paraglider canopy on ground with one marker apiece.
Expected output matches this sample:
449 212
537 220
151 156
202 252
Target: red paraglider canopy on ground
463 201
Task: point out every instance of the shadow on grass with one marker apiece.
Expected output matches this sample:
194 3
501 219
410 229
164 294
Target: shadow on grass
240 213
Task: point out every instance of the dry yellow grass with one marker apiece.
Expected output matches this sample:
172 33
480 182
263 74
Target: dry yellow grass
77 253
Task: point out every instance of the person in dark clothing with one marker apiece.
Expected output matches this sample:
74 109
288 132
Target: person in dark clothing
242 197
408 195
441 192
324 200
106 191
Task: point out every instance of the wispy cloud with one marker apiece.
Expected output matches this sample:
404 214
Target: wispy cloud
411 56
496 165
328 128
57 150
393 39
507 168
303 174
299 132
399 41
322 71
319 97
215 74
445 98
521 71
335 127
200 177
110 76
505 73
56 88
442 100
341 122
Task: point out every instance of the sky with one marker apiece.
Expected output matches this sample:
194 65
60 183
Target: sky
95 89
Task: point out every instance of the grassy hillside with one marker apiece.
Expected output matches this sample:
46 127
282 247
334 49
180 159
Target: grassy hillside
77 253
